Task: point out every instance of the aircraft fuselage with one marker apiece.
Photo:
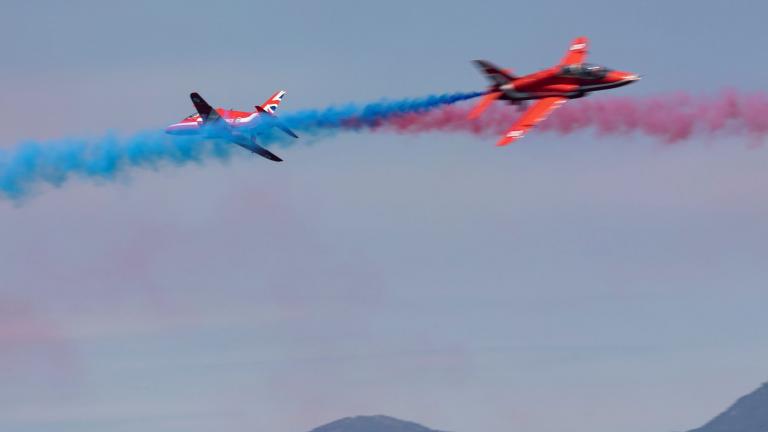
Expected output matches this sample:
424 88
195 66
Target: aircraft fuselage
192 125
550 83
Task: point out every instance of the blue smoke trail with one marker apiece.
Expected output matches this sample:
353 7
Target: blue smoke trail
353 116
56 161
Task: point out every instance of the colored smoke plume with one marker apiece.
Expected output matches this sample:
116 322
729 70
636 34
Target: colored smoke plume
54 162
669 118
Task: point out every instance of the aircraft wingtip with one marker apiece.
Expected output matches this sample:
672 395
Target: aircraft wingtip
505 141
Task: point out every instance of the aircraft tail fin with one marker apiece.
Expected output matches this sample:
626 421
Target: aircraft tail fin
577 51
497 75
271 104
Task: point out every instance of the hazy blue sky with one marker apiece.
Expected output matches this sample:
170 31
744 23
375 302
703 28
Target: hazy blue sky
577 283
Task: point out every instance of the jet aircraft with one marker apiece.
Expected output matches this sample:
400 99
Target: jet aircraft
550 88
238 127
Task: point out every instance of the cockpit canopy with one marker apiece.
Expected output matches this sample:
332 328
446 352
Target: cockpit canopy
584 70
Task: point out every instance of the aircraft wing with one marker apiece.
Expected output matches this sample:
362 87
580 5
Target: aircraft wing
536 113
276 122
207 113
577 52
249 143
484 103
261 151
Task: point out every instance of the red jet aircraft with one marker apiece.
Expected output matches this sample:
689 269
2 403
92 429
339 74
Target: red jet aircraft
552 87
235 126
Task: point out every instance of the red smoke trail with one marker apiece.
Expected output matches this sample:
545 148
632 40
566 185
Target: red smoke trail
670 118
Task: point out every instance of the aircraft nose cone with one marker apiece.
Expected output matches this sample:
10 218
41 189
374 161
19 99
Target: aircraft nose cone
632 77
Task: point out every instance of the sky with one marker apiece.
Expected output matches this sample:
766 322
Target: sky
581 282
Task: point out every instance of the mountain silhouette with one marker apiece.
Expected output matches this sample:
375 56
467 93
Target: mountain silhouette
375 423
748 414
